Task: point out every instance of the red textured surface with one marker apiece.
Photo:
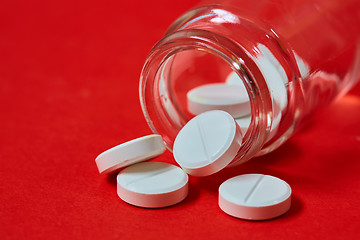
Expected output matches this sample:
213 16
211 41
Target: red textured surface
69 90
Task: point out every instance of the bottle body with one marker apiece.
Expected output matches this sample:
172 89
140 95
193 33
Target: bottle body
292 56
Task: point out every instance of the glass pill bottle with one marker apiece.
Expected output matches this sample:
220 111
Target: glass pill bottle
292 56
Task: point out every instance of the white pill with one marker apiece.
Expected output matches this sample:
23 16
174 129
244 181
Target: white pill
207 143
219 96
275 77
131 152
234 79
254 196
152 184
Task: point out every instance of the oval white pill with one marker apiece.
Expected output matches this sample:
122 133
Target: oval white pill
254 196
219 96
207 143
131 152
152 184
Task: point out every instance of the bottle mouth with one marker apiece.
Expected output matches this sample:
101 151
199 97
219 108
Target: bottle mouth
187 59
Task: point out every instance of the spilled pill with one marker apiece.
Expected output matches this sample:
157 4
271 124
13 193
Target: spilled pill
254 197
152 184
131 152
207 143
219 96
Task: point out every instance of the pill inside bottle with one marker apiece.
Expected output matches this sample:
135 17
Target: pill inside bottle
287 74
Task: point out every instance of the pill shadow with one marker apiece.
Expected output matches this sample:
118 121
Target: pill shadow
194 191
111 178
282 156
295 208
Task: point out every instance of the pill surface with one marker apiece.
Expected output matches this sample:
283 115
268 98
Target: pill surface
234 79
254 196
152 184
128 153
219 96
207 143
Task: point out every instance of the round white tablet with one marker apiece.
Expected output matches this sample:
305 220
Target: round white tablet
219 96
131 152
254 196
152 184
207 143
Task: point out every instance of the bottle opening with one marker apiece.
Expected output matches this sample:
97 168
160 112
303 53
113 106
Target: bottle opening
189 73
195 81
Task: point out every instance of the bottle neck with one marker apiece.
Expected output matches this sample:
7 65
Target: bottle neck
283 81
167 76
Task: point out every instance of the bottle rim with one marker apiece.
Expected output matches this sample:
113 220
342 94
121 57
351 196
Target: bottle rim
235 56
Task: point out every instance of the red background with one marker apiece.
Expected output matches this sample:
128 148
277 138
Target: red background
69 90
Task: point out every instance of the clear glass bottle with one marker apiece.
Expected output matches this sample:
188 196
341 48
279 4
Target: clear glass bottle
293 56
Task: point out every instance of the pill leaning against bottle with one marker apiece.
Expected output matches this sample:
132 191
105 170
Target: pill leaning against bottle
219 96
207 143
254 196
131 152
152 184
